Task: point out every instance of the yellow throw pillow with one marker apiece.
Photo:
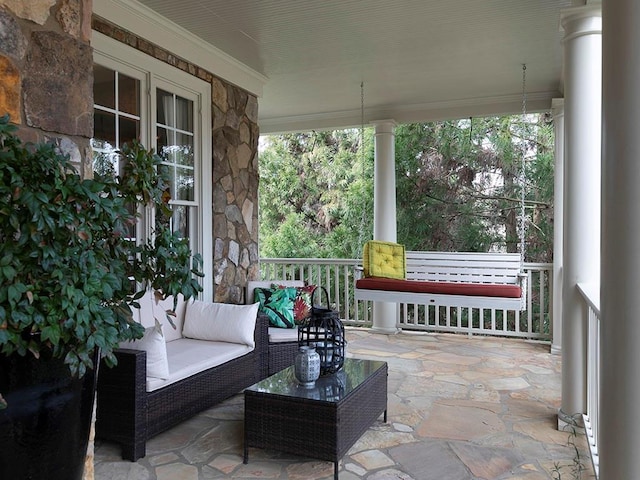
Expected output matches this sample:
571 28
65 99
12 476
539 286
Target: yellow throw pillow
384 259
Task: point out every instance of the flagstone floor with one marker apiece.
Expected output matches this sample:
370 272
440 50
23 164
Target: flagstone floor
459 408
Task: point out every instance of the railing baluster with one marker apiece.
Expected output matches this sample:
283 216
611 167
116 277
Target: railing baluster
591 297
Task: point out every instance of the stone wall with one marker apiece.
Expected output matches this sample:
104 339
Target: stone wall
46 81
235 169
46 85
235 190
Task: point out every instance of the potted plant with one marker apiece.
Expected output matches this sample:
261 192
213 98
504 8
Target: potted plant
69 274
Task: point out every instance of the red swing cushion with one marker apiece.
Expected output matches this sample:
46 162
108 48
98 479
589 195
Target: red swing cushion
444 288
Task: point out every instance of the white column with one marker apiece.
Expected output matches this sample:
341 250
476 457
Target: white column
384 208
619 432
581 251
557 110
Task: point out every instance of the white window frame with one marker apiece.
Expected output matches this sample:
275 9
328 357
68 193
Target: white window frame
153 74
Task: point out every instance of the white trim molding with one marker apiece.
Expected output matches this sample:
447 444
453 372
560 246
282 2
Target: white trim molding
402 114
144 22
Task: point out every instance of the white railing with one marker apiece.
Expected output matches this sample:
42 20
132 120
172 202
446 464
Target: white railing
590 294
338 277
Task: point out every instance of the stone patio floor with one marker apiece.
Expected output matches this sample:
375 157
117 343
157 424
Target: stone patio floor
459 408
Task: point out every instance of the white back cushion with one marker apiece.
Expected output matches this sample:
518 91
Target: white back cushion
150 311
223 322
153 343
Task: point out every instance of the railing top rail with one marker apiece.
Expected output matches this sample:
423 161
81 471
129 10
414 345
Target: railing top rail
537 266
358 261
318 261
591 294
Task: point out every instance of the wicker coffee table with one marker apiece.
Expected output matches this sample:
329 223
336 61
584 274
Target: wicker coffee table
322 422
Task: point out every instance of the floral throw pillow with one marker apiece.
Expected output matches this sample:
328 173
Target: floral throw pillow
277 304
302 305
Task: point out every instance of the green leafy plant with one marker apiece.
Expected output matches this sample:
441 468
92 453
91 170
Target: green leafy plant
69 270
577 468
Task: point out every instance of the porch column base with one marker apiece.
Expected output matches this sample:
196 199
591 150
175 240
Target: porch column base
385 317
570 422
385 331
556 350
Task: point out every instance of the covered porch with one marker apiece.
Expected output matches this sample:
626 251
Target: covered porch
305 69
460 408
288 68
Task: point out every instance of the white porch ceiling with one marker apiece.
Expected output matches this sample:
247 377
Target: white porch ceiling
419 60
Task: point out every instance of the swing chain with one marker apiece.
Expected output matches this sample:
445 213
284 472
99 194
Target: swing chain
522 221
362 166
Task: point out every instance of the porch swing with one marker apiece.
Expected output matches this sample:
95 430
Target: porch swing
450 279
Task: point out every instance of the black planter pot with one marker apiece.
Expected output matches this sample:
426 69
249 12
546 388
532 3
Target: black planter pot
44 431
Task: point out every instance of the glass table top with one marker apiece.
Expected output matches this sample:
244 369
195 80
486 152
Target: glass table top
328 388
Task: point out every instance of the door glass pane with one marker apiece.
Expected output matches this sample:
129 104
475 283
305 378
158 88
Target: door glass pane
105 159
104 126
184 155
169 173
129 130
184 114
180 220
104 86
184 222
128 95
164 141
184 184
165 107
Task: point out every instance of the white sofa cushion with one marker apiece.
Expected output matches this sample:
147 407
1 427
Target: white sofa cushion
154 344
187 357
279 335
222 322
150 311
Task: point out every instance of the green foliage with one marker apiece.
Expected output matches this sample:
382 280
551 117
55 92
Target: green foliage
67 261
577 468
313 190
457 188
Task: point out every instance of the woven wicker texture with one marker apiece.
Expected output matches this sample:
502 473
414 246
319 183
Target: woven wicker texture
129 415
325 427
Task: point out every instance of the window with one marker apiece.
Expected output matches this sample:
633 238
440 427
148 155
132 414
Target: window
138 97
175 143
116 116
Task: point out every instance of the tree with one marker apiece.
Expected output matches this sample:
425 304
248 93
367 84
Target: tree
458 188
314 188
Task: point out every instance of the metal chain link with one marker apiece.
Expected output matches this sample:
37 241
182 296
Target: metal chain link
522 221
362 166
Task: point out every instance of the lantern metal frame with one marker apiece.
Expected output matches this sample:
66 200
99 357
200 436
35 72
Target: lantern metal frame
325 331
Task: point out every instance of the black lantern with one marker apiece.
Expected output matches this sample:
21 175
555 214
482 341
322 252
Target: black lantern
325 331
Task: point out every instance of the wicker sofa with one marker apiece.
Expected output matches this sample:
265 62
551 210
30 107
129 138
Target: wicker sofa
133 406
282 342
